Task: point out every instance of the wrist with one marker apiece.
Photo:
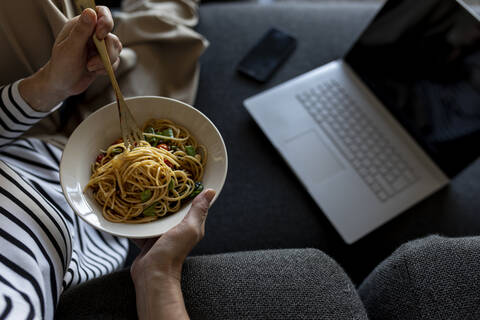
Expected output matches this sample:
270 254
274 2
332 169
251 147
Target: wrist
144 276
147 267
158 296
40 92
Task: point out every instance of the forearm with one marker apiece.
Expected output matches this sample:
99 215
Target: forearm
159 297
39 91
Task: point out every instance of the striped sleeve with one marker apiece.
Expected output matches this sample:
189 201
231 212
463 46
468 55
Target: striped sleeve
35 251
16 116
44 247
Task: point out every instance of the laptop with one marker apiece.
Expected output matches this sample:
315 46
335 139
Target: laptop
375 132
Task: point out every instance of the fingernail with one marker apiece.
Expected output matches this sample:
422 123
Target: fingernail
86 18
209 194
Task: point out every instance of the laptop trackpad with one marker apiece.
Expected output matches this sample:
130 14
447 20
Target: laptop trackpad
311 158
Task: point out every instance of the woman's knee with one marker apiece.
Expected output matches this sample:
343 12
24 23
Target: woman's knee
425 279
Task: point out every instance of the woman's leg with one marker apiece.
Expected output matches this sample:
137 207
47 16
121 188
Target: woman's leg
275 284
430 278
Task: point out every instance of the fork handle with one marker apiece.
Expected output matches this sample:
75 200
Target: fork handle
102 48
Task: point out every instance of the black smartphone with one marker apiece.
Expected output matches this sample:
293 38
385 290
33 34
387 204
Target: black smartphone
267 55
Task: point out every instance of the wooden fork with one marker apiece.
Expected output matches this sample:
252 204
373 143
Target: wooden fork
131 133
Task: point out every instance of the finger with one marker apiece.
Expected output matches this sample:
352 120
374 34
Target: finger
102 71
83 29
114 46
104 22
116 64
197 215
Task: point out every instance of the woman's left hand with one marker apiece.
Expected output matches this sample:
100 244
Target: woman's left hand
75 62
157 270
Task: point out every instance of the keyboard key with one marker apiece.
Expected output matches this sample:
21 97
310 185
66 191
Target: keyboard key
369 178
385 185
389 177
375 187
339 142
358 139
382 196
409 176
400 183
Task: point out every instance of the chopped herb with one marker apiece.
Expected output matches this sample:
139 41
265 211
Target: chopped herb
116 151
196 191
152 140
167 132
146 195
171 185
190 151
150 211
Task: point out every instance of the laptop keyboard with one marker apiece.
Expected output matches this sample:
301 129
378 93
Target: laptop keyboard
376 161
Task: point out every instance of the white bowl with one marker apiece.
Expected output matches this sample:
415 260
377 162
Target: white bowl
102 127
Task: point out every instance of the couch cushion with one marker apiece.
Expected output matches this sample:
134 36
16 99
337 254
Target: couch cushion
431 278
270 284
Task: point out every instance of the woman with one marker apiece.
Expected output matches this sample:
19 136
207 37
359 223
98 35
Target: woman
45 247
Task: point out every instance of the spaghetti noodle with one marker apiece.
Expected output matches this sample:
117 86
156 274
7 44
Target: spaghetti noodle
151 180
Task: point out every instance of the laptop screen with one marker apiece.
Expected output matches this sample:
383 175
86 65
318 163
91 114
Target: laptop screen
422 60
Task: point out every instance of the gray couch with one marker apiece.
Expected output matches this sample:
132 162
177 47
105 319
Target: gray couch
264 207
429 279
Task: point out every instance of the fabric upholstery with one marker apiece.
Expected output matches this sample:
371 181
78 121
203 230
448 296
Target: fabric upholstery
272 284
275 284
430 278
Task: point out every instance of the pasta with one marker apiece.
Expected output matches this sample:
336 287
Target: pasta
151 180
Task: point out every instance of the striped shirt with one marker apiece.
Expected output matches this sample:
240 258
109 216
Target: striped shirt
44 247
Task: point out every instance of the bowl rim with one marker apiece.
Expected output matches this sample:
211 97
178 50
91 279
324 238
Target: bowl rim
110 105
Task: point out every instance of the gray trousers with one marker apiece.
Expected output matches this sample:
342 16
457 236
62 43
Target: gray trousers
431 278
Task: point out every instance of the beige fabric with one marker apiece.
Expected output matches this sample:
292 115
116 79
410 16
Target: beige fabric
161 55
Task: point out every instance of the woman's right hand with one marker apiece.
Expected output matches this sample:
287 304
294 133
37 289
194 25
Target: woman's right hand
74 63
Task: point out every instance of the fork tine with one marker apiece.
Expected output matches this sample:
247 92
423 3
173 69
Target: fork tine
130 131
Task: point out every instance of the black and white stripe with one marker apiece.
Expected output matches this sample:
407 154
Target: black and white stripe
45 248
16 116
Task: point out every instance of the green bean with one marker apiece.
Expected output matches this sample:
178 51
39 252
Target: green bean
196 191
190 151
150 211
167 132
146 195
116 151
